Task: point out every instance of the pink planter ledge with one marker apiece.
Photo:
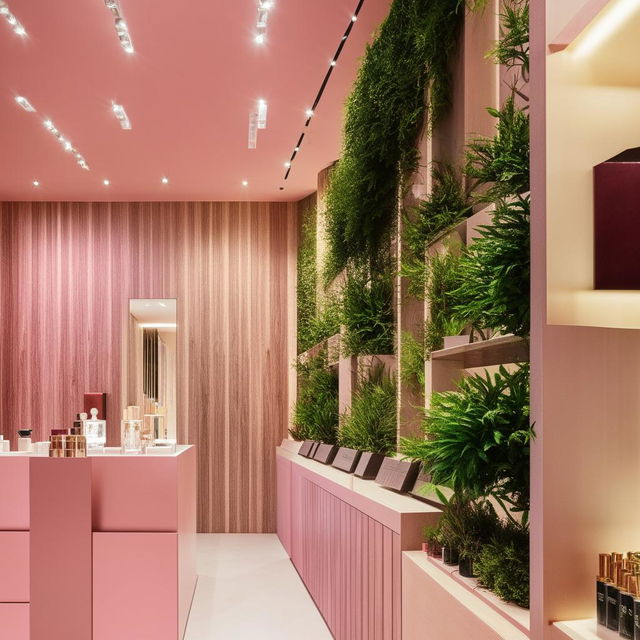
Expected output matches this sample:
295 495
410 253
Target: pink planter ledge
14 621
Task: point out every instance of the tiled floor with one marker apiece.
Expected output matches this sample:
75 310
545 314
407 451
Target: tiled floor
248 588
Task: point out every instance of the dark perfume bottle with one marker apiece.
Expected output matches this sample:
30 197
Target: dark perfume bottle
627 599
613 595
604 577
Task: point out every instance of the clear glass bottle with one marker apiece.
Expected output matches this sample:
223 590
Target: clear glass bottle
95 431
131 431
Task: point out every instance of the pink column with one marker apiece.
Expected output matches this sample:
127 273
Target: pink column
60 548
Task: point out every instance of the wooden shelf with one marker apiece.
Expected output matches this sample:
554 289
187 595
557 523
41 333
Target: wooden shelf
585 630
475 608
500 350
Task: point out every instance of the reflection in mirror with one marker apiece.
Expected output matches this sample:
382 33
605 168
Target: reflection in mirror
151 406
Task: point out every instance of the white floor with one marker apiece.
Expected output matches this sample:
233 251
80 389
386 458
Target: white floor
248 588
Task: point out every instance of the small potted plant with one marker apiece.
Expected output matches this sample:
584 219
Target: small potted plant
432 545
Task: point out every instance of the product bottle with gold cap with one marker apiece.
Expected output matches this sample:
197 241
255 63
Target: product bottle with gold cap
604 578
613 591
626 604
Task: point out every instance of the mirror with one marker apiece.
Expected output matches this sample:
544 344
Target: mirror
152 367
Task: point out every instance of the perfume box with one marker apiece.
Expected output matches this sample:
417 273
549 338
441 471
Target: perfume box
93 400
616 219
346 459
325 453
399 475
368 465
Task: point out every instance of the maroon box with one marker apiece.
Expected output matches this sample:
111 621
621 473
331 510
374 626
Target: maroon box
616 218
96 400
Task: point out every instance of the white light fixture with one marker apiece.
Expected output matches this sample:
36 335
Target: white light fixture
605 25
122 30
36 183
121 115
66 144
253 130
333 63
287 164
309 113
267 5
354 18
106 182
11 20
165 180
158 325
296 149
262 114
245 183
260 38
264 6
25 104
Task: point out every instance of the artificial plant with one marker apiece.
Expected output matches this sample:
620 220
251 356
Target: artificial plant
478 438
410 56
494 273
367 312
315 415
371 423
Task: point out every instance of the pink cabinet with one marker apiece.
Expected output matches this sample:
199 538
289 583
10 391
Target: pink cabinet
14 566
14 493
14 621
135 586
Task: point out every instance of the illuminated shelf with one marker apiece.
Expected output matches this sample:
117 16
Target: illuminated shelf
577 25
500 350
585 630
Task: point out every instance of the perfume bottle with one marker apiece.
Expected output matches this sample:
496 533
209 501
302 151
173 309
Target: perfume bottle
5 445
131 430
604 578
24 440
95 431
628 596
613 592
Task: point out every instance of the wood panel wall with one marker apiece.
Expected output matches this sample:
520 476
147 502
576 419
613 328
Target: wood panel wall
67 273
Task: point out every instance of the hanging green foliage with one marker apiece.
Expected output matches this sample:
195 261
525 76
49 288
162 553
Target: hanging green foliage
412 360
444 207
315 414
501 163
478 438
367 312
384 115
495 272
512 48
372 422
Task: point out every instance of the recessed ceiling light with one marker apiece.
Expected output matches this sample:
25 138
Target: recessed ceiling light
25 104
121 115
245 183
66 144
106 182
122 30
11 20
260 38
36 183
165 180
309 113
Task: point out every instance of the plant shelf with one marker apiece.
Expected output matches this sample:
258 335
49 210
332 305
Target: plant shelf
500 350
585 630
504 620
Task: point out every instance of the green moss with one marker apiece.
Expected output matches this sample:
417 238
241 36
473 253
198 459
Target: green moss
384 115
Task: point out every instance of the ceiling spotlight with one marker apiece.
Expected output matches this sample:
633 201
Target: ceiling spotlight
24 103
309 113
11 20
260 38
66 144
354 18
245 183
121 114
122 30
165 180
287 164
106 182
333 63
297 149
36 183
262 114
267 5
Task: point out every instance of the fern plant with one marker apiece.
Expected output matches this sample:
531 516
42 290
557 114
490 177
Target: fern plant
494 274
306 289
501 162
478 438
512 48
371 423
445 207
412 361
315 415
367 312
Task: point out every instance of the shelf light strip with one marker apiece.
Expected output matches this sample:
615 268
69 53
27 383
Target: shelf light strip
325 81
11 19
120 24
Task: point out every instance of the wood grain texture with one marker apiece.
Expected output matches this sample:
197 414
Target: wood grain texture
68 272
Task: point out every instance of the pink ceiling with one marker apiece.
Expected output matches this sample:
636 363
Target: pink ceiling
188 91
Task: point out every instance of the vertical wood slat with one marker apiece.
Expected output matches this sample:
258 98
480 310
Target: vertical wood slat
67 272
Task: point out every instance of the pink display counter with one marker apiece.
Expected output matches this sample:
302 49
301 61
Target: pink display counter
97 548
345 537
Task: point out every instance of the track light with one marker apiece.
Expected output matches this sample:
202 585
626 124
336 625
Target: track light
11 20
309 113
25 104
121 115
122 29
165 180
66 143
262 114
106 182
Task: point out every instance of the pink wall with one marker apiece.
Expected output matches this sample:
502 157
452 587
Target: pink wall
68 271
